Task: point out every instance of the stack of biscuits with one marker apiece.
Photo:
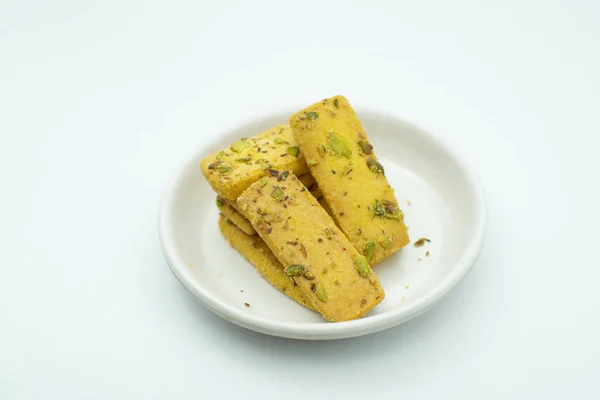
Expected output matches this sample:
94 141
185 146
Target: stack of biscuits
308 204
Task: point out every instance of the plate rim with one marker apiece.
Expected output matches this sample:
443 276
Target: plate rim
324 331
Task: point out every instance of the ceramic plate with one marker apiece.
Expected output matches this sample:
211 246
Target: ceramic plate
441 199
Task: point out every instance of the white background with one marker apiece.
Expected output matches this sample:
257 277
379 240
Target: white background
101 101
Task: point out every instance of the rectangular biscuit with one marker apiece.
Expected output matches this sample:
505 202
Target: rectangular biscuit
234 216
232 170
254 249
349 175
324 264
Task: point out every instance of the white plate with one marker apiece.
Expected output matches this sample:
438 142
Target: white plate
446 206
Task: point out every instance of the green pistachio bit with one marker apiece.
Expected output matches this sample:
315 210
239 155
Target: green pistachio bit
309 275
320 292
336 103
279 140
238 146
263 182
277 194
228 221
283 175
329 233
221 154
322 150
294 270
293 151
332 319
312 115
224 168
369 251
385 242
312 162
377 209
243 159
266 166
215 164
220 202
362 265
339 145
398 214
365 146
375 166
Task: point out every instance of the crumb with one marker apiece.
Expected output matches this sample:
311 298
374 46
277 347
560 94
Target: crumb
421 242
191 265
408 203
403 298
427 254
220 274
241 290
406 287
247 304
419 260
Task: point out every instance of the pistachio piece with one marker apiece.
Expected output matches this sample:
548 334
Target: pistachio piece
362 265
277 193
283 175
220 155
224 168
421 242
238 146
322 150
309 275
320 292
329 233
279 140
369 250
266 166
311 115
336 103
243 159
385 241
390 206
339 145
294 270
293 151
215 164
312 162
377 209
398 214
220 202
375 166
366 147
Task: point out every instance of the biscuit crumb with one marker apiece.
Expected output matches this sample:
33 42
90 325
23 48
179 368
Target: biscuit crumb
247 304
408 203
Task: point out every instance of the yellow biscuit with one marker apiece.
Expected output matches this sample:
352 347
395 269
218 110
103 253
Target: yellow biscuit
256 251
352 180
234 216
324 264
232 170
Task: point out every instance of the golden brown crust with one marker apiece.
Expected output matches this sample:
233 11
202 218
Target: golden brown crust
325 265
341 159
232 170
